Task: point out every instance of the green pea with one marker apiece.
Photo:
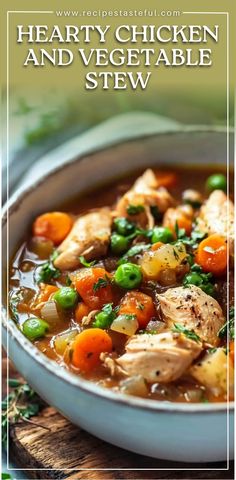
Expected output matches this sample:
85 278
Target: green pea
162 234
216 182
123 226
66 297
35 328
119 243
102 320
128 276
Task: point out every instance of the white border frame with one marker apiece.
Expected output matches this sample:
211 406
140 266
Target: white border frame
7 177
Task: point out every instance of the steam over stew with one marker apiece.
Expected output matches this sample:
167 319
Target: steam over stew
127 286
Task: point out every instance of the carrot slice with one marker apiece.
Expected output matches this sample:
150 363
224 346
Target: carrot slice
166 179
53 225
81 311
45 292
212 254
139 304
231 350
88 346
93 286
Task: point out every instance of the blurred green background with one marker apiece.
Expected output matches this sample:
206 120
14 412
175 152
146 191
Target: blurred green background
40 118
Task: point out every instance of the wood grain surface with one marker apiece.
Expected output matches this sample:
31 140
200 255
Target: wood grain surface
64 451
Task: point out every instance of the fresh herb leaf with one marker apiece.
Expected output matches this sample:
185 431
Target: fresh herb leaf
212 350
101 283
105 317
135 250
197 236
180 232
188 333
127 316
68 281
149 332
84 262
21 404
108 308
135 209
140 306
175 254
48 271
191 241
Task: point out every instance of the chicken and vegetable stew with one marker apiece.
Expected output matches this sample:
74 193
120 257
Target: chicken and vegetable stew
128 286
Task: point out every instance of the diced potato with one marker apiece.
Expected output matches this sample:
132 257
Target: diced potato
211 371
166 257
134 386
127 324
62 341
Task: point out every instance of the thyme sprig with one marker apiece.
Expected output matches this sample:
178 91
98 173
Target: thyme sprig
21 404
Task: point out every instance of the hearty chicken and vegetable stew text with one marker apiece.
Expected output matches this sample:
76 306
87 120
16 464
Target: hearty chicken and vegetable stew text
128 288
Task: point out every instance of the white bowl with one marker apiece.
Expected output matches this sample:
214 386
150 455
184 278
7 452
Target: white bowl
173 431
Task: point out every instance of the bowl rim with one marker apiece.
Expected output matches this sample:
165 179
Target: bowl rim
51 365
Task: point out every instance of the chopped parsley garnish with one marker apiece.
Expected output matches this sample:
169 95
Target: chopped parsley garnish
175 254
180 232
84 262
191 241
135 209
68 281
101 283
228 326
105 317
188 333
200 279
128 316
140 306
48 271
212 350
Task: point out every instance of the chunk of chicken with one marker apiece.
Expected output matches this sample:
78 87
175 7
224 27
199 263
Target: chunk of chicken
147 192
163 357
89 237
193 309
217 216
211 371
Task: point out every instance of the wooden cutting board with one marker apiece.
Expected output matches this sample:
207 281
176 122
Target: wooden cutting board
64 451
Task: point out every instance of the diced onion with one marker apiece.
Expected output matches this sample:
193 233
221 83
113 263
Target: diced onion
49 312
63 340
166 257
215 371
193 395
134 386
125 324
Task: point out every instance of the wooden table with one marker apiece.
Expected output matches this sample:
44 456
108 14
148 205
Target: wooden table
63 450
